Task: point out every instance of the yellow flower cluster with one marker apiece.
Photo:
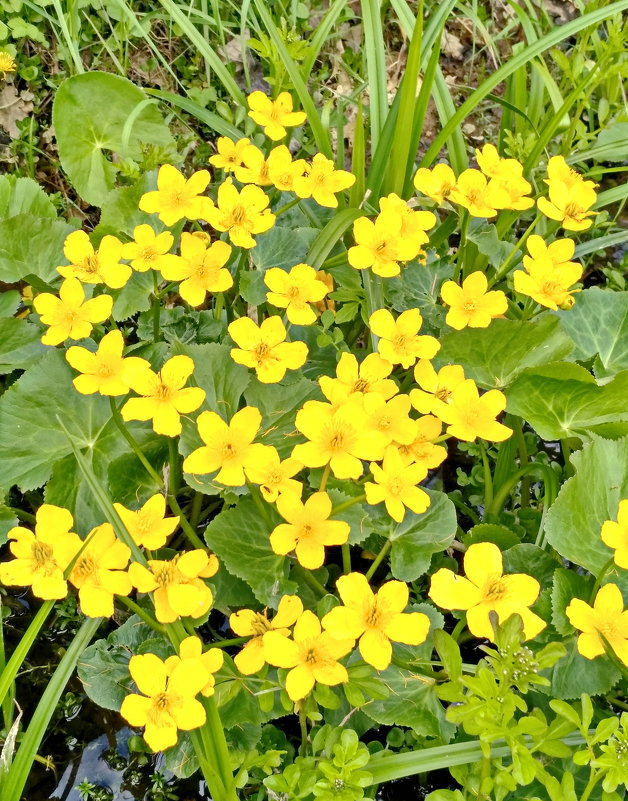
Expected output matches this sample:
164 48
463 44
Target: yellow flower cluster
548 273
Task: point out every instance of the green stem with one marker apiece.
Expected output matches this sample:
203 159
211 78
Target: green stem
459 628
257 500
464 227
195 512
25 517
156 309
313 583
505 265
220 302
228 643
325 477
488 479
143 614
286 207
347 504
523 460
174 472
119 422
346 558
374 298
12 667
379 559
303 726
595 777
598 580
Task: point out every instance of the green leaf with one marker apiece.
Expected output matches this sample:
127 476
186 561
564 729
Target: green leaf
119 211
8 520
563 400
252 287
484 236
181 759
31 245
23 195
490 532
495 356
598 324
530 559
417 537
96 112
282 247
9 302
357 516
418 287
573 675
612 143
134 296
567 585
585 501
20 344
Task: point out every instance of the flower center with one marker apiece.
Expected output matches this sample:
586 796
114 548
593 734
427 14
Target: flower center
384 423
306 531
229 451
311 657
551 288
607 628
260 625
443 394
469 305
573 210
262 351
399 341
361 385
161 701
495 591
395 486
293 292
148 254
238 215
42 554
373 617
85 567
473 195
91 264
165 575
336 441
163 392
105 369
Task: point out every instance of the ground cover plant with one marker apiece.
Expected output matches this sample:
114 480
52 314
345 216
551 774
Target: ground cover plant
313 425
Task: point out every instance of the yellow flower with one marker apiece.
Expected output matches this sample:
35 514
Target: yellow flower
399 342
149 251
395 485
437 183
615 535
42 557
7 63
389 418
247 623
167 704
606 617
192 656
265 348
200 269
510 193
494 166
274 115
91 266
380 246
282 170
549 275
254 167
228 446
229 153
241 213
570 196
294 290
164 397
273 475
70 316
312 655
469 415
308 529
473 193
338 437
177 198
322 181
423 449
471 305
485 590
178 586
98 573
352 378
435 387
375 618
149 525
414 224
106 370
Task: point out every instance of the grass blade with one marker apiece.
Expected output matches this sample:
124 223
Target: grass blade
213 121
375 51
323 244
320 35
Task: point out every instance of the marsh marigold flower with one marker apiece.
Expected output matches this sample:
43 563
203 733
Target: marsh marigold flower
167 703
486 589
473 193
242 214
176 197
370 375
99 572
615 535
206 663
470 415
312 656
228 153
273 475
228 446
165 397
414 224
42 557
149 250
200 269
495 166
264 348
434 386
396 485
294 290
177 585
70 316
470 304
375 618
322 181
148 526
399 342
247 623
274 115
549 274
570 196
254 167
93 266
282 170
437 183
106 370
606 618
380 246
389 418
423 448
308 529
7 63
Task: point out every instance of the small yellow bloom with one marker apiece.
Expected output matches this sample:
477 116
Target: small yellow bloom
229 153
99 572
282 170
176 197
274 115
149 251
396 485
247 623
264 347
423 449
352 378
41 558
312 656
178 586
570 196
615 535
106 370
338 437
149 525
375 618
322 181
606 617
167 704
434 386
510 193
70 316
228 446
273 475
200 269
294 290
192 656
469 415
437 183
390 418
414 224
494 166
92 266
7 63
380 246
399 342
549 273
472 192
471 305
308 529
242 214
485 590
164 397
254 167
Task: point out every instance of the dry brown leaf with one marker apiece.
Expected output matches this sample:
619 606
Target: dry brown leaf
452 46
13 108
